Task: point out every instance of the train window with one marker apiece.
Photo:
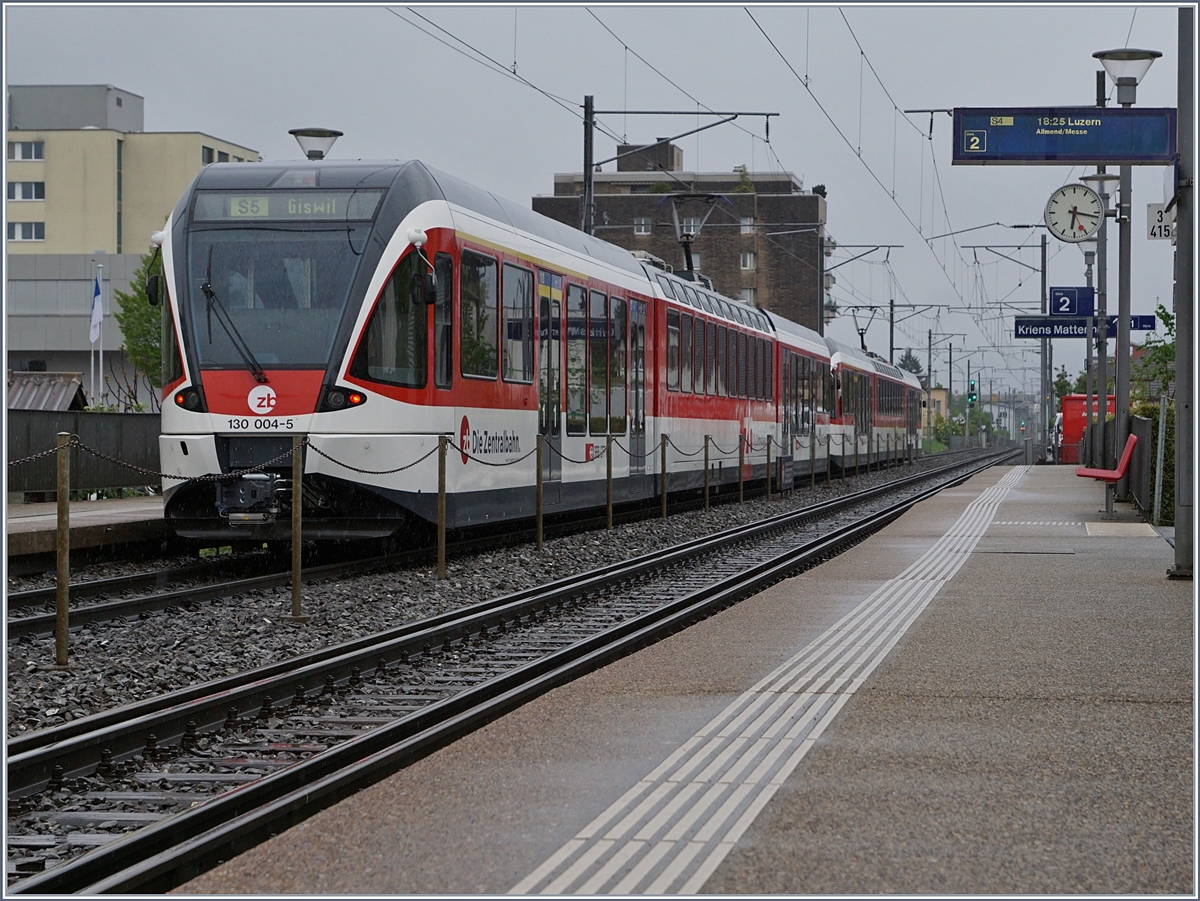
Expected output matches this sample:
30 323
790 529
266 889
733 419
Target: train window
672 350
598 364
576 360
698 355
172 362
616 366
769 369
743 366
685 354
443 321
690 292
710 370
667 287
392 350
518 324
477 315
722 360
731 368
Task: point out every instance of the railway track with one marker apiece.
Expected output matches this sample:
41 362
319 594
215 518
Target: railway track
301 734
129 595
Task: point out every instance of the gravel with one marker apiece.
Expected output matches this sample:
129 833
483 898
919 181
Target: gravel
121 661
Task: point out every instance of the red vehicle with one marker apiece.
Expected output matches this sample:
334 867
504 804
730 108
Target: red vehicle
1074 416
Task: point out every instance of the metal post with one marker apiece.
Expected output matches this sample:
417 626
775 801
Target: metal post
1100 450
741 467
1158 458
768 467
608 443
1047 380
856 445
663 454
812 456
1085 456
1125 238
589 117
443 442
63 571
297 523
829 459
538 455
1185 212
705 473
967 407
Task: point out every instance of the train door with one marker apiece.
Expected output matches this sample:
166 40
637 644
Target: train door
637 394
550 288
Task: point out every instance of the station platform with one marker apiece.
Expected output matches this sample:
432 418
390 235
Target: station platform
994 694
32 528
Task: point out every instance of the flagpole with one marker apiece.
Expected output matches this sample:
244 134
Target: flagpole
92 344
103 392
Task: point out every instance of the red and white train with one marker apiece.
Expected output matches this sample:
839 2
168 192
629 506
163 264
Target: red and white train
375 306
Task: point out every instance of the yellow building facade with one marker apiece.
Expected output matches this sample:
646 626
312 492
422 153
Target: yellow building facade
82 190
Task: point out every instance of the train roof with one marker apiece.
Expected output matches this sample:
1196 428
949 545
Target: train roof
862 359
418 183
796 335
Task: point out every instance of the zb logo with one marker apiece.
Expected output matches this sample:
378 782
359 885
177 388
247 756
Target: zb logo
464 438
261 400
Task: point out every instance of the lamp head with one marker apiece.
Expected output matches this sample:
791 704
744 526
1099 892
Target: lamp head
1126 67
315 142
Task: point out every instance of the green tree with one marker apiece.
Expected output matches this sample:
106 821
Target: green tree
1156 369
744 185
1062 384
141 325
910 363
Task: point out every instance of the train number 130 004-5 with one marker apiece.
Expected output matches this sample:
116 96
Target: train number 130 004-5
244 425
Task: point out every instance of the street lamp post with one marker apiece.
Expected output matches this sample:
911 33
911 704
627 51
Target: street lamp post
1099 182
1126 67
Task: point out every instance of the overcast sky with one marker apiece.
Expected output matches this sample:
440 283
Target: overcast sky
248 74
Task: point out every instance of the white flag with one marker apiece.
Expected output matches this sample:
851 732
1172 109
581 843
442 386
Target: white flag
97 312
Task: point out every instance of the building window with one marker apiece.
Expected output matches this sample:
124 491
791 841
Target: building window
641 226
749 259
747 225
695 261
120 102
238 159
691 225
26 190
27 231
26 150
222 156
749 295
206 155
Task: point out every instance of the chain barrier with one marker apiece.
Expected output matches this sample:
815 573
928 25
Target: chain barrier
721 450
74 442
683 453
488 462
599 456
371 472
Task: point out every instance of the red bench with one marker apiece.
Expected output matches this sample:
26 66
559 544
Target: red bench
1110 476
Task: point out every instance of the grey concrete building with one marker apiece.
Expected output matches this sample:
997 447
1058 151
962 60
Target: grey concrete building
757 236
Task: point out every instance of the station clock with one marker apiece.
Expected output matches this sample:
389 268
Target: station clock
1074 213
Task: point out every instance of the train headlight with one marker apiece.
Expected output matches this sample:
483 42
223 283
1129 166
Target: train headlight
189 399
341 398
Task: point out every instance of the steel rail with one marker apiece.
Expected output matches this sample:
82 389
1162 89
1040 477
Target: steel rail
76 746
180 846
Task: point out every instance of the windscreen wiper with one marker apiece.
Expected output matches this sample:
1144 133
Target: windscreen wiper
226 321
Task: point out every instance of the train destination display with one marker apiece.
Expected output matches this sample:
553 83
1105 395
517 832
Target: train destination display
1086 135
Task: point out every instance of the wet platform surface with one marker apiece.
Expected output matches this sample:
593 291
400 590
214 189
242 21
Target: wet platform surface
994 694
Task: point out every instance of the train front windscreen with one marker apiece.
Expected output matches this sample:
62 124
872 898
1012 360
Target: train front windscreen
269 274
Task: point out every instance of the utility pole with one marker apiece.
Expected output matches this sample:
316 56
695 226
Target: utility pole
589 187
892 330
1185 212
929 389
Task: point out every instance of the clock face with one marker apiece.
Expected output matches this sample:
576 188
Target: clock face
1074 213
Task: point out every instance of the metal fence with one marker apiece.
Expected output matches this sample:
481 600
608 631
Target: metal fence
1141 464
130 437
